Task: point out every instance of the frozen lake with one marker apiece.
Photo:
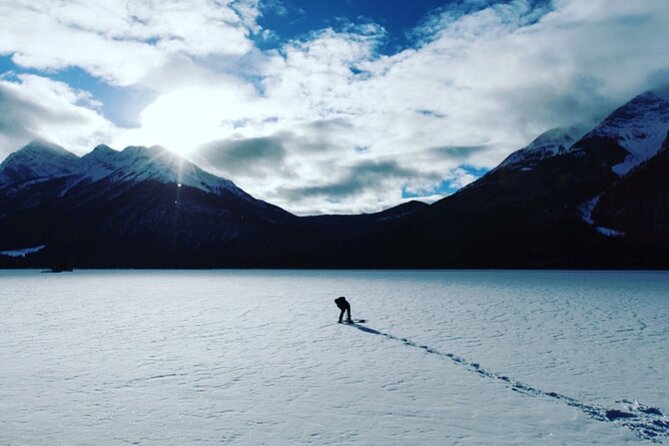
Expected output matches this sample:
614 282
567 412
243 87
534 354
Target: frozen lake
256 357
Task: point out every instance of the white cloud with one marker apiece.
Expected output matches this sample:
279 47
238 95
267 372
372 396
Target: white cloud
38 107
120 41
495 79
479 85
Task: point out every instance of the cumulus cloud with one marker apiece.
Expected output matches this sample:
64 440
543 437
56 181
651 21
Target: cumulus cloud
457 152
296 170
245 157
121 41
328 124
36 107
356 179
480 85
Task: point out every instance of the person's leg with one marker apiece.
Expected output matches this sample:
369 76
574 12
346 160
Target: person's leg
341 315
348 312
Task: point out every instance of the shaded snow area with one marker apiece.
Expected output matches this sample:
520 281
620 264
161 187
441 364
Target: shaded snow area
609 232
587 208
640 127
22 252
256 357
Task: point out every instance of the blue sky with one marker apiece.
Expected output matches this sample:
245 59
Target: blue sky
324 106
297 19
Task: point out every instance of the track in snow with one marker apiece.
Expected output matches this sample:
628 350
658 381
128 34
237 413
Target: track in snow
647 422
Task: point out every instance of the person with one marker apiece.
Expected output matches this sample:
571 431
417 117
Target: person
344 306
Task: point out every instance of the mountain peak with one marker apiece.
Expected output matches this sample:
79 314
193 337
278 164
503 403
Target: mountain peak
640 127
103 148
43 146
135 149
550 143
156 163
662 92
37 159
158 149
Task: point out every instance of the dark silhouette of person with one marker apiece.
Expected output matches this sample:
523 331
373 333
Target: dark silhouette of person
344 306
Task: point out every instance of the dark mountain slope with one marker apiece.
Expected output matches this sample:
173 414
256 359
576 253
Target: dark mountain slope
147 224
638 205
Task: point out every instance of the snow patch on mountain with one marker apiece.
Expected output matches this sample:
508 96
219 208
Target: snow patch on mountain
22 252
609 232
640 127
547 145
587 208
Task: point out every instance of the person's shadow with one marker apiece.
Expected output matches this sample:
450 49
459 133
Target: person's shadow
366 329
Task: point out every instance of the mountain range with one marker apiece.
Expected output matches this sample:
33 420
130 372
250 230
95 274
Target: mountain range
573 198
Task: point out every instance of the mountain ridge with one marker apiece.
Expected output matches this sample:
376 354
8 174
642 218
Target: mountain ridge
563 201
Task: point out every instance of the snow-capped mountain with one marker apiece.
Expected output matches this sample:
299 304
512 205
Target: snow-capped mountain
137 207
627 138
41 160
137 163
550 143
600 200
640 127
38 159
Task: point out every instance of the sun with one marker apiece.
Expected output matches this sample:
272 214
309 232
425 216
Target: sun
184 119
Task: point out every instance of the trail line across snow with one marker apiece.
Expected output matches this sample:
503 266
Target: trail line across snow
647 422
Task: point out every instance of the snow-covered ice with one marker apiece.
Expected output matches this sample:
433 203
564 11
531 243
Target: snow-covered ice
256 357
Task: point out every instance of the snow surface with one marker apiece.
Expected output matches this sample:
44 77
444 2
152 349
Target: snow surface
640 127
256 357
22 252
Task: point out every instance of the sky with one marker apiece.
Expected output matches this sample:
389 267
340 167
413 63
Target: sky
324 106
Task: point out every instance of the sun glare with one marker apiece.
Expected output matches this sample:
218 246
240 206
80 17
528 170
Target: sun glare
184 119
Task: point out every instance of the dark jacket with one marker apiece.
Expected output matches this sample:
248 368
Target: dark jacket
342 304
